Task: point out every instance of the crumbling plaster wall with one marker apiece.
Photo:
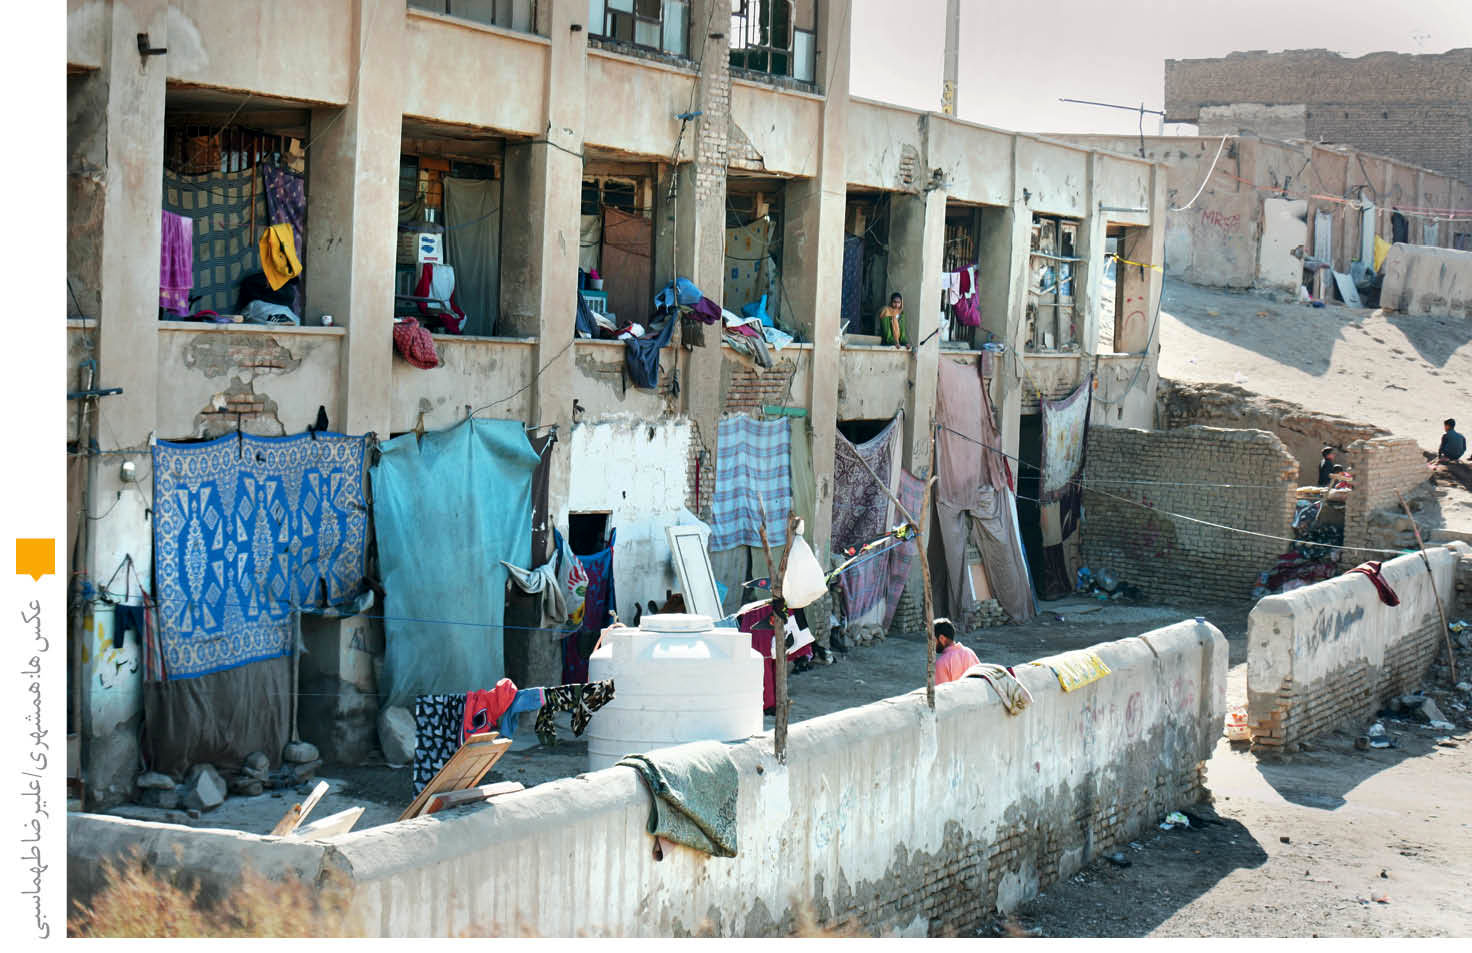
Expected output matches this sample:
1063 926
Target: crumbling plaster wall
887 817
780 126
491 376
215 380
1134 478
637 468
1331 653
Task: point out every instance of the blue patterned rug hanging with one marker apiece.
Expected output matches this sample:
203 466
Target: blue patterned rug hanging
245 530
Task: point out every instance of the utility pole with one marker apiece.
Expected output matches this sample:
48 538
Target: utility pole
953 47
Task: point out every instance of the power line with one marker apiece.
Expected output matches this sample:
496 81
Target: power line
1154 509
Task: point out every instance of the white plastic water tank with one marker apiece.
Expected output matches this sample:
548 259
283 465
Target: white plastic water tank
676 678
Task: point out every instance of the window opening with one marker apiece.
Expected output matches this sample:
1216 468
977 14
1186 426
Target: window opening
1053 255
777 37
662 25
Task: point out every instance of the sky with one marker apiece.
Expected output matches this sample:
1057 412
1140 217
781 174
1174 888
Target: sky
1019 58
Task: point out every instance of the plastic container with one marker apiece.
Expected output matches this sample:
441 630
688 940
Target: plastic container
677 678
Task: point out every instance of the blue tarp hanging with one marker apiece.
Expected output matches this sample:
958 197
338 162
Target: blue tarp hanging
447 508
247 530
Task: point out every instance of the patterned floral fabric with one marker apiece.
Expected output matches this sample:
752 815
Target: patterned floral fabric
246 531
861 510
286 202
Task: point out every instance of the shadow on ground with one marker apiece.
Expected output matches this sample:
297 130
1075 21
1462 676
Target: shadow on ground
1167 871
1312 353
1436 339
1328 768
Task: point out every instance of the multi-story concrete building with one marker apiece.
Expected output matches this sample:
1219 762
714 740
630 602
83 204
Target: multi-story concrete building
686 121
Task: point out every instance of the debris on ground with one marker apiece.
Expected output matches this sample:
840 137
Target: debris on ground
1175 819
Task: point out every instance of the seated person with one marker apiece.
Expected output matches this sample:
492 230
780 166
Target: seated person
1326 466
891 322
1453 444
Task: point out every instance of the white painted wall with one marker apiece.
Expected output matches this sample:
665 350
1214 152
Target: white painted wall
864 794
635 468
1284 228
1319 631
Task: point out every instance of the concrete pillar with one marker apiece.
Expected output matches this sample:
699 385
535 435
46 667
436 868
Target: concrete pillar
549 171
131 125
700 209
1017 222
917 228
353 207
813 261
1089 275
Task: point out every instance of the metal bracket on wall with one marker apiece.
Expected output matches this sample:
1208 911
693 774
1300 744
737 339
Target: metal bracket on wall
145 50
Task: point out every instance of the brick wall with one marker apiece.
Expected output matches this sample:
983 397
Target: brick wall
1329 655
1415 107
1382 467
1133 477
751 386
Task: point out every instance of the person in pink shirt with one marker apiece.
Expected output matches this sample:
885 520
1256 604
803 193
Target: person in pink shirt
952 658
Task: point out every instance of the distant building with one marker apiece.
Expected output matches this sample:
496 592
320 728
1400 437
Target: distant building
1413 107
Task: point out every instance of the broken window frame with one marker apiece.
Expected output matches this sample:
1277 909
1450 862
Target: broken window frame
757 46
1052 283
607 19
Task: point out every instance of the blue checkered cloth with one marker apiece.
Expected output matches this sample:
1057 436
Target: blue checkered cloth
753 461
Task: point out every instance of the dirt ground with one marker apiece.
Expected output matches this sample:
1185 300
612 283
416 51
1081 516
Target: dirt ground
1327 842
1397 371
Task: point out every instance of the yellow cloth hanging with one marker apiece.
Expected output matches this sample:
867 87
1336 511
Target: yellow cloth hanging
278 256
1382 248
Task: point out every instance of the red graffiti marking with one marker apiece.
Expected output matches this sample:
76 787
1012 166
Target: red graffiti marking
1132 712
1227 223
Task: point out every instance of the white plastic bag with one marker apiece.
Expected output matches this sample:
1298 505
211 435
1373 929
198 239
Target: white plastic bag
803 583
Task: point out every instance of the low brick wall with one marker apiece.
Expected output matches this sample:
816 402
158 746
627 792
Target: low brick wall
1382 466
1329 655
1237 478
888 816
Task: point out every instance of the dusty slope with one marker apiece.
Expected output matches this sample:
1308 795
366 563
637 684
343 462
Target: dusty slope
1400 372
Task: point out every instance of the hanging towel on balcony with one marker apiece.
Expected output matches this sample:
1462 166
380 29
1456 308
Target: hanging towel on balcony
753 462
176 263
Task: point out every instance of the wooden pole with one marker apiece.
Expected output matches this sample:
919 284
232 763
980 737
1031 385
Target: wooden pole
924 564
928 602
779 636
1446 632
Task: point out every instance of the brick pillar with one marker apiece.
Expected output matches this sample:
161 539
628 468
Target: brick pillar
700 208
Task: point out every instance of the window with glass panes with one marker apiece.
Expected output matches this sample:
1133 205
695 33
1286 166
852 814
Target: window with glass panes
662 25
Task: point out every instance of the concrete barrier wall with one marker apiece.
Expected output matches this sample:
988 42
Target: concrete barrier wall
892 817
1330 654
